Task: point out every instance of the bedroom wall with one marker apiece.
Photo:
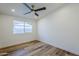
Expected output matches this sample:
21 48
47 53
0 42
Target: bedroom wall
61 28
7 38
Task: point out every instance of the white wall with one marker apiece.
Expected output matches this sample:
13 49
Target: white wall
7 37
61 28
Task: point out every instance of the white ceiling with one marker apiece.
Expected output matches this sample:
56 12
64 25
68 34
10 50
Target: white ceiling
20 9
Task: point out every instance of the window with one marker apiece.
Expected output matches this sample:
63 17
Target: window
21 27
28 27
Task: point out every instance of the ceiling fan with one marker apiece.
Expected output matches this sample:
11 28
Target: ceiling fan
32 8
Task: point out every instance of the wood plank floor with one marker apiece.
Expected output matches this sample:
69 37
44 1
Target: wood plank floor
39 49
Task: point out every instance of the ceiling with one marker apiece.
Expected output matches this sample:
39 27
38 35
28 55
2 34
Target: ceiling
20 9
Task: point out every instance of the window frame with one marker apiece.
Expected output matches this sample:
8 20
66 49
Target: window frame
24 30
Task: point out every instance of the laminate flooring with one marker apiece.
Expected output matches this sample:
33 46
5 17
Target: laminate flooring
39 49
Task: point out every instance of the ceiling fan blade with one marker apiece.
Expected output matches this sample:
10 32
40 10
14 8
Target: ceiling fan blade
27 13
36 14
28 6
43 8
